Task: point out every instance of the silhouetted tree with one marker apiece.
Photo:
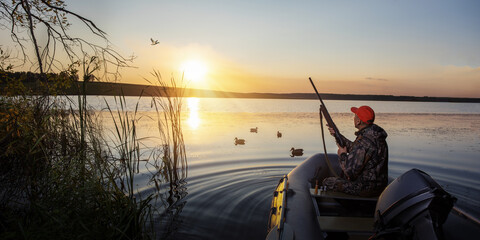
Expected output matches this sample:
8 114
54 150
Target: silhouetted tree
27 20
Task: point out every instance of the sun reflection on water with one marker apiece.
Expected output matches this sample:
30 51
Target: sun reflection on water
193 118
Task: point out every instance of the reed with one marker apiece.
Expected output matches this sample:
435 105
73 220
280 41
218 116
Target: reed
170 161
63 178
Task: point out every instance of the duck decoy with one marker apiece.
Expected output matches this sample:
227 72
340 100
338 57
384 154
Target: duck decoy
239 141
254 129
296 152
279 134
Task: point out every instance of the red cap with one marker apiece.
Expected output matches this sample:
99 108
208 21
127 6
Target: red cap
365 113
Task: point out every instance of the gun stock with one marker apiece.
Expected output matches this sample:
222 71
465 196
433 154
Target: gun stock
328 118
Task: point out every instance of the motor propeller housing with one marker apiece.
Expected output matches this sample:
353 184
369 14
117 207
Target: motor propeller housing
413 206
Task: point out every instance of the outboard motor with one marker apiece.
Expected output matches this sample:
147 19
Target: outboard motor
413 206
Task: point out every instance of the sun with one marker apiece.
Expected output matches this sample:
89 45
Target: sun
194 70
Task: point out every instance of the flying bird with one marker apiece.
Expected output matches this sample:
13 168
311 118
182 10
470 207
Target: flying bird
154 42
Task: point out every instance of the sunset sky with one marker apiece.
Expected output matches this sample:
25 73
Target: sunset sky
420 48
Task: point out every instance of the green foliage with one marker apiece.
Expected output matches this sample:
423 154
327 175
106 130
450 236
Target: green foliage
55 188
61 178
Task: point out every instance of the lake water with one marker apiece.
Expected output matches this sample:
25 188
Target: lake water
228 188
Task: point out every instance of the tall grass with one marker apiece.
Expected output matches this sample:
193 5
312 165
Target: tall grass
63 177
171 162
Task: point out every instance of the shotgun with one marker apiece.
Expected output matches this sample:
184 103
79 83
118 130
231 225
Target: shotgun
328 118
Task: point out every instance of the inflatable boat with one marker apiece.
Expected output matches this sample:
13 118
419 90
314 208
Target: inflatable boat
412 206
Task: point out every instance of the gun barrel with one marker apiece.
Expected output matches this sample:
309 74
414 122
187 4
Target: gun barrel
318 95
327 116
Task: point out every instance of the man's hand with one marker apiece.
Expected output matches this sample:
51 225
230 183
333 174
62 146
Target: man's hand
341 150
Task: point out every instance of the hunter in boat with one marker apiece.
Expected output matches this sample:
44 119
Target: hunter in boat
347 206
364 162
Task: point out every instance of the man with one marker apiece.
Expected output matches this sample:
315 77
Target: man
364 162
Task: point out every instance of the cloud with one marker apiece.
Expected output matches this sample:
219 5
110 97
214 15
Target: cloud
377 79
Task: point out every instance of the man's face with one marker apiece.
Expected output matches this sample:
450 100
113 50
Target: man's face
356 121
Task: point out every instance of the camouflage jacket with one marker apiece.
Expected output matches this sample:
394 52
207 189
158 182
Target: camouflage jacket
365 167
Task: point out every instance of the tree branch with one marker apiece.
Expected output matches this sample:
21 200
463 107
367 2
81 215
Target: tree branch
52 15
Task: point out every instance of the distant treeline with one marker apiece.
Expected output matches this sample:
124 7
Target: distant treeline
27 83
101 88
31 77
31 81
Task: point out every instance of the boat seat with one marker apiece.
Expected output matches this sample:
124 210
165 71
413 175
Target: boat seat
341 212
345 224
340 195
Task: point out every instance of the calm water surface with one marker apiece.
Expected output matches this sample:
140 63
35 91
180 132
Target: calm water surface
228 188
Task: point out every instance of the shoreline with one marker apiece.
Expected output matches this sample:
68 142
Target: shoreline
126 89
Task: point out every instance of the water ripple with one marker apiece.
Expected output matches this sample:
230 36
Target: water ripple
226 204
